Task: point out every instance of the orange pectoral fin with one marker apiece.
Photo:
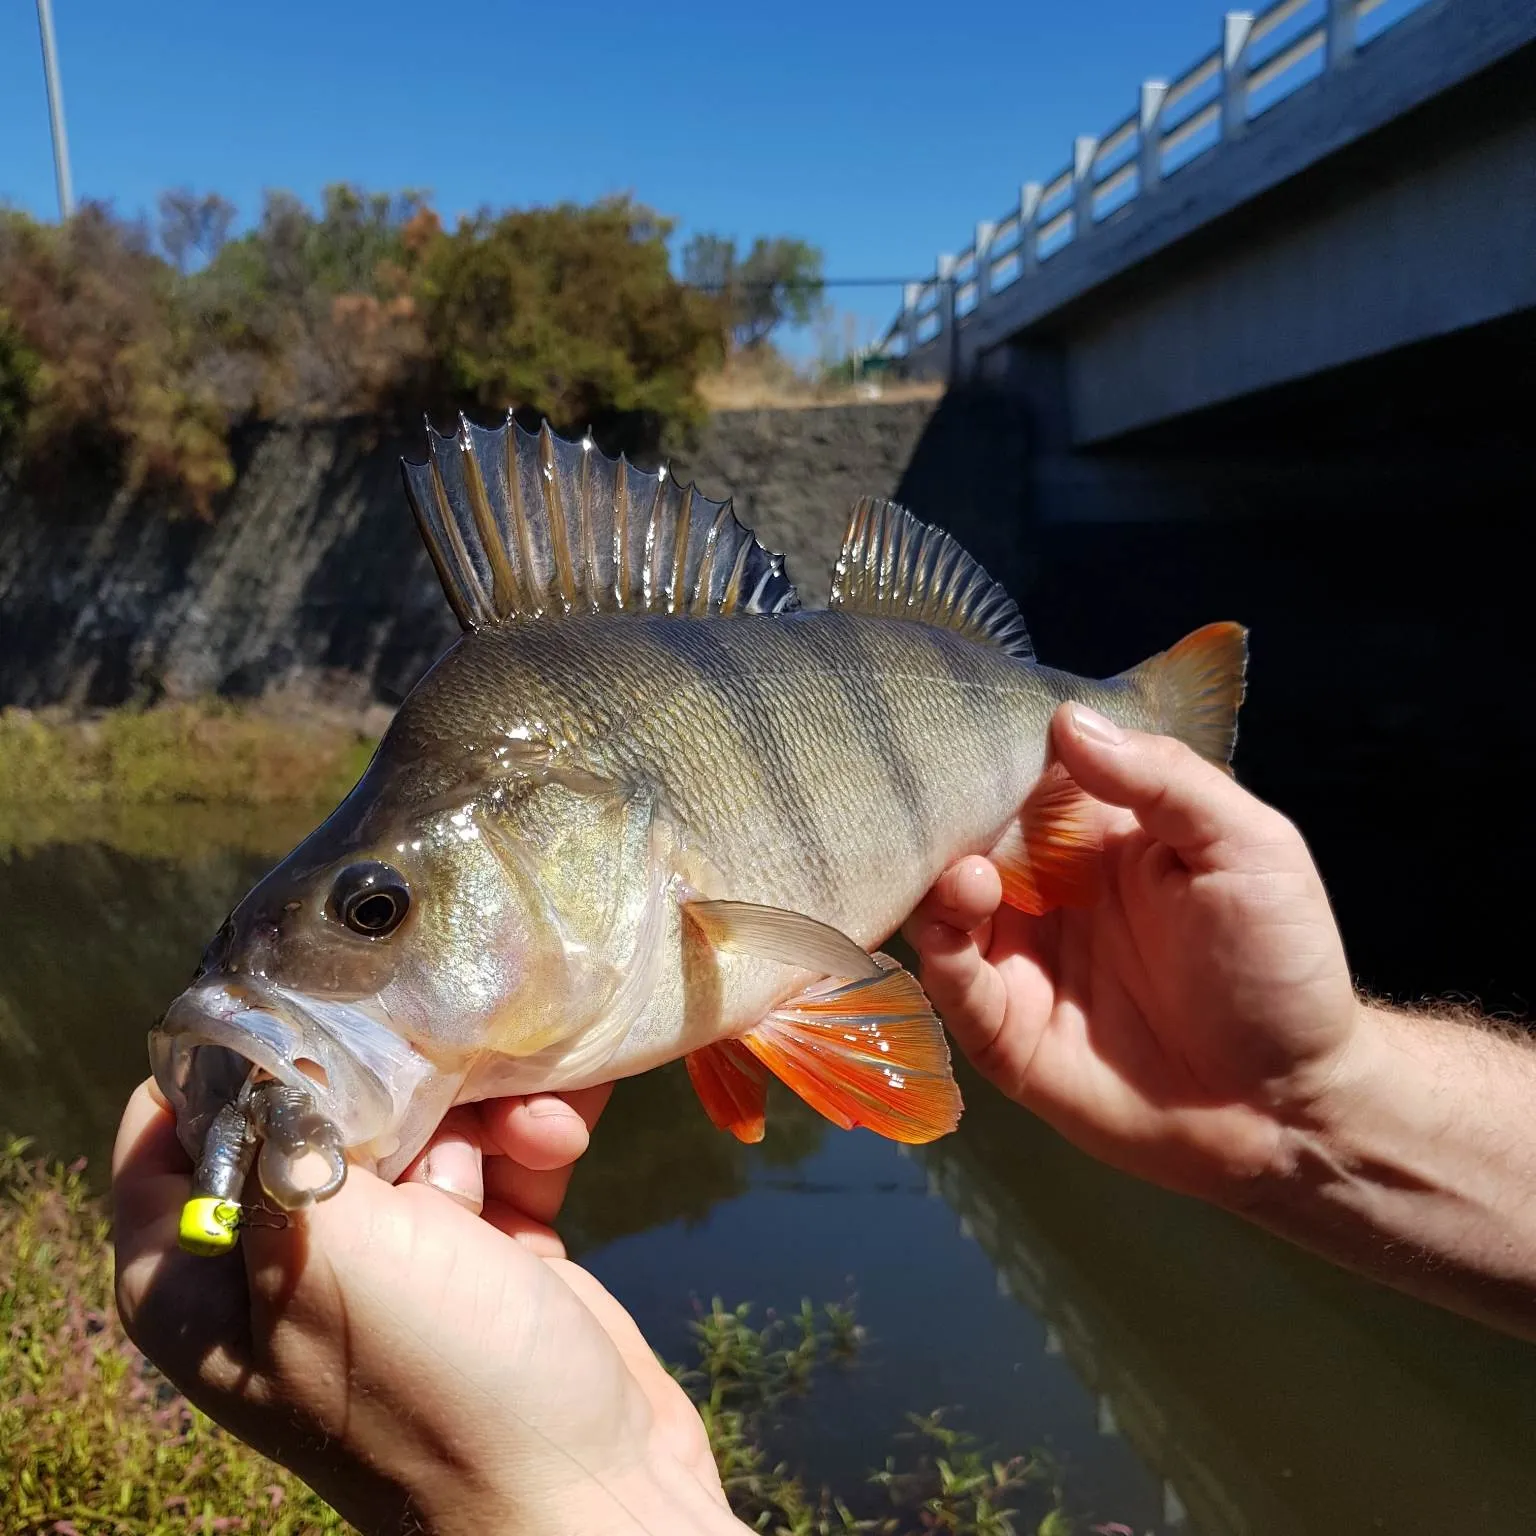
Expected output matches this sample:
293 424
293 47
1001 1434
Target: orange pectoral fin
1049 857
871 1053
732 1086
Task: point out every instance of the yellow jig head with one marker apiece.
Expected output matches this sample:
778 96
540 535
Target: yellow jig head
209 1226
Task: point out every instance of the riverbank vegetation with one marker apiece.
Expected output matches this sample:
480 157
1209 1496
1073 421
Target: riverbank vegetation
94 1442
210 752
137 348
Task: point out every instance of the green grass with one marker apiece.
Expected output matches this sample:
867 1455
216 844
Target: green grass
210 752
95 1442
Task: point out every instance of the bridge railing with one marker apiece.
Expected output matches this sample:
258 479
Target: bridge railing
1260 60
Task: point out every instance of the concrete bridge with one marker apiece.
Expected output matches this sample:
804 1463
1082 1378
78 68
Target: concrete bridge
1273 360
1336 180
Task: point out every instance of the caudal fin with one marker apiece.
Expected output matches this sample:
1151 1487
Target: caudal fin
1196 688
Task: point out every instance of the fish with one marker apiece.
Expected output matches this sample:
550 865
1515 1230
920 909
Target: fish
648 806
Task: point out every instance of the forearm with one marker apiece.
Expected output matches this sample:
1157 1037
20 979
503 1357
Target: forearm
1418 1167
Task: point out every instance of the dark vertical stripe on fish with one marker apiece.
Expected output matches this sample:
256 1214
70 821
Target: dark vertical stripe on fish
740 692
869 703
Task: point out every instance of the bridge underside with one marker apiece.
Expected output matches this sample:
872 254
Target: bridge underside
1425 230
1370 525
1422 230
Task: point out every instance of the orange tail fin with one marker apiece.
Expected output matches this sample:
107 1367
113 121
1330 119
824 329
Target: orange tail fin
1196 687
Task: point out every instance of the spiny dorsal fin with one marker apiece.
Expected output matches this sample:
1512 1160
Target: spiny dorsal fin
900 568
524 525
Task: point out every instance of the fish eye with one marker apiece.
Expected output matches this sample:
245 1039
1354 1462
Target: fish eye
371 898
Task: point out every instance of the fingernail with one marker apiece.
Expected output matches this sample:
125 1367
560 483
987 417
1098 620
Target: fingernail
543 1108
453 1168
1090 723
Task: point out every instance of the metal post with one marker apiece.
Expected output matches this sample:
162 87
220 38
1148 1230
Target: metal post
1029 232
1340 45
984 233
1084 148
948 330
1149 147
55 108
1236 27
909 297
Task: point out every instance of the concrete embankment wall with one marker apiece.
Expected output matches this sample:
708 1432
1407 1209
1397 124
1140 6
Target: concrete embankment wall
312 577
1370 529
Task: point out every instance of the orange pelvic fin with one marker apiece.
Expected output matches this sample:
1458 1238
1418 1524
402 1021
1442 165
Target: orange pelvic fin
871 1053
1049 856
732 1085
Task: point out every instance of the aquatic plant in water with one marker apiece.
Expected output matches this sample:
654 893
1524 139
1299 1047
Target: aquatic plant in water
95 1442
938 1479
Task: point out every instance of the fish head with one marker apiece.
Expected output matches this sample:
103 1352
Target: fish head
417 930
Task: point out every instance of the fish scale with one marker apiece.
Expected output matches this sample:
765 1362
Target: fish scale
647 807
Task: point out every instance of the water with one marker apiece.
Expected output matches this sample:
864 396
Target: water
1192 1374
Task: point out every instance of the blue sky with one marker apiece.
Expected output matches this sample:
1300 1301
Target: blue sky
880 132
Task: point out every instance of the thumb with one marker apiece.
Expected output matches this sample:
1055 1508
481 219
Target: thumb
1178 797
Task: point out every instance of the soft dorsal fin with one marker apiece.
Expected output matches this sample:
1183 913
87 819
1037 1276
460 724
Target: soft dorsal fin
893 565
524 525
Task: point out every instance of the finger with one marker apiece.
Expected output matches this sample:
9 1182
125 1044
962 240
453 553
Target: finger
544 1130
537 1192
451 1161
963 987
522 1228
146 1144
676 1418
151 1178
1178 797
963 897
187 1313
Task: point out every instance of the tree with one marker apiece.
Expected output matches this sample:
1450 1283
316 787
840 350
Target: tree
778 281
709 263
192 225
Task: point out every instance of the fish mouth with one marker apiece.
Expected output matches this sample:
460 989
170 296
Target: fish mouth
357 1072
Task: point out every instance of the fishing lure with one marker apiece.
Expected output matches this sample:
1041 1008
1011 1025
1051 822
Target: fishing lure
276 1128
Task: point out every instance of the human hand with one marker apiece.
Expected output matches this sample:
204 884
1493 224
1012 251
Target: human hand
1202 1008
421 1354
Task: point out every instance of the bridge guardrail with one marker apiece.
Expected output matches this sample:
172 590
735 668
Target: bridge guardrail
1261 59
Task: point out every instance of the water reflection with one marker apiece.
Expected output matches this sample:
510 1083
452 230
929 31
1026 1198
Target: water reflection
99 934
1272 1394
1192 1374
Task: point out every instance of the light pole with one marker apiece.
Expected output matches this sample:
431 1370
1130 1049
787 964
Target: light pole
55 108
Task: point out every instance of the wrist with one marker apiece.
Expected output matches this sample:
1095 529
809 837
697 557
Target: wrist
658 1496
1414 1163
647 1499
1315 1131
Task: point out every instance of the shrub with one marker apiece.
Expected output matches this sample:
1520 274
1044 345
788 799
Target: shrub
18 380
111 378
139 362
571 313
